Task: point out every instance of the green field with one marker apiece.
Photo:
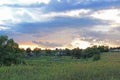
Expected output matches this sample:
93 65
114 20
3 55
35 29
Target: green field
64 68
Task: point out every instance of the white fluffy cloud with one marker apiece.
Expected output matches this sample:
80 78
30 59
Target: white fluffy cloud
112 15
18 15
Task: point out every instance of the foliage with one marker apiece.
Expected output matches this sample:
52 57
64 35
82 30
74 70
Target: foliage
77 53
67 51
28 52
96 57
48 52
103 48
86 53
92 52
37 51
9 51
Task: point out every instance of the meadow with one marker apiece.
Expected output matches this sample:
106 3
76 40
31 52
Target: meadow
64 68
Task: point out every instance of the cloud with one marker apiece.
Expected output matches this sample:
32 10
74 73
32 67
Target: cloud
19 15
112 15
34 1
56 24
5 14
109 38
59 22
3 27
63 5
47 44
72 13
2 2
77 42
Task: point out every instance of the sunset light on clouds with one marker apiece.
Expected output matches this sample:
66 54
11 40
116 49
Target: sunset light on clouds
61 23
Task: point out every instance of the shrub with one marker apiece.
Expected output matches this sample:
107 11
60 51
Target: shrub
96 57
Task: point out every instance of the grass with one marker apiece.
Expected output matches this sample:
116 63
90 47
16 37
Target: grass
64 68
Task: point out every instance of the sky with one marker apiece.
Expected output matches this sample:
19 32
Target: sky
61 23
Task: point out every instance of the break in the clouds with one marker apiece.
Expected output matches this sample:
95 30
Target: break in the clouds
61 23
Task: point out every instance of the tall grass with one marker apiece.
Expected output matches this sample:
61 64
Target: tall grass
64 68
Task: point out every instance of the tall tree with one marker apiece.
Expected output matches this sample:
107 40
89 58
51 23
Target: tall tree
9 51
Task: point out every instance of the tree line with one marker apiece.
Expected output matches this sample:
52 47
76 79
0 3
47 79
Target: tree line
76 53
11 54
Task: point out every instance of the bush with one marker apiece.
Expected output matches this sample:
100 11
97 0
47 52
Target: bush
96 57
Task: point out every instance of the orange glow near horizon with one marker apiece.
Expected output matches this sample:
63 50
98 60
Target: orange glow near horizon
29 46
36 46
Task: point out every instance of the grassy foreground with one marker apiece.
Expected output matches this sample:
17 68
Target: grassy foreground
64 68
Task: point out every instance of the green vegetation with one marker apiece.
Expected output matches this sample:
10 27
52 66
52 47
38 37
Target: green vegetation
77 53
64 68
9 51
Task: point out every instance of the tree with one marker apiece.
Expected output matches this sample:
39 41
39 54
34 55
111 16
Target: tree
36 51
91 52
67 52
9 51
103 48
77 53
28 52
48 52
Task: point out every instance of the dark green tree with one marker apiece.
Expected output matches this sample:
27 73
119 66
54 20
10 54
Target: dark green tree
67 52
91 52
103 48
37 51
28 52
9 51
77 53
48 52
